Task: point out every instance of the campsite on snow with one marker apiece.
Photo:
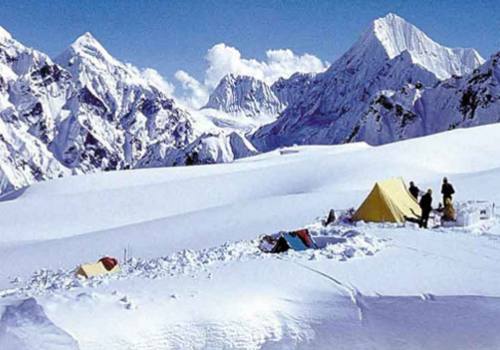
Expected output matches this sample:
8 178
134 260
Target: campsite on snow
349 206
196 275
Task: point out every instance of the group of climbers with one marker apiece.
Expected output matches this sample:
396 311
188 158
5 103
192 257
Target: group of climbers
425 202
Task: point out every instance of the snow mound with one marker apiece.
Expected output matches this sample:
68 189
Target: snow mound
338 243
26 327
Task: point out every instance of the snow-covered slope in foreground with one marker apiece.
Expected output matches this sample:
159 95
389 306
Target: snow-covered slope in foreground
389 288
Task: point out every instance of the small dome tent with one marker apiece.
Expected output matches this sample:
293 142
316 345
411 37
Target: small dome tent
389 201
102 267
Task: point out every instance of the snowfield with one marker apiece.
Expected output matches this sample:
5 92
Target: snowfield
196 278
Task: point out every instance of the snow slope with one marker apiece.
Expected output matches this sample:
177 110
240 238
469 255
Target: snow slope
25 326
197 280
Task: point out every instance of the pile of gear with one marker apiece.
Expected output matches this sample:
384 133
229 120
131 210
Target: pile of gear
281 242
472 212
302 239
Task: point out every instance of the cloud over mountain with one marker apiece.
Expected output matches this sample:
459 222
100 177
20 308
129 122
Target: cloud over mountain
223 59
155 79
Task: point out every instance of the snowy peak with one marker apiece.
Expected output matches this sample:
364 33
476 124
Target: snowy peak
87 60
244 83
391 36
396 36
244 95
90 64
86 46
87 41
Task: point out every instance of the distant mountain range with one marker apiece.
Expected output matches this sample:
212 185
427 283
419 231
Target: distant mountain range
85 111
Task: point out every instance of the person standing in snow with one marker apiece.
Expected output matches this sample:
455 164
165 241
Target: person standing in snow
426 206
447 190
414 190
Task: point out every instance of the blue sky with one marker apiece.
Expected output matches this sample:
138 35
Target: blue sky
172 35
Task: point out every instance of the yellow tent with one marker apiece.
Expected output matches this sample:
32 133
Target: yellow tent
390 201
97 269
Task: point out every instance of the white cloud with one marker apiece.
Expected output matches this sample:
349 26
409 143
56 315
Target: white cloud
155 79
283 63
223 59
195 94
152 77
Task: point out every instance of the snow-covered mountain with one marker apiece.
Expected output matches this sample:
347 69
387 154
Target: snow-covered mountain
245 95
208 148
116 115
86 111
390 55
241 95
291 89
32 91
470 100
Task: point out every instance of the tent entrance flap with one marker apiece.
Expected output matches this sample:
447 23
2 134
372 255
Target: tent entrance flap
388 201
97 269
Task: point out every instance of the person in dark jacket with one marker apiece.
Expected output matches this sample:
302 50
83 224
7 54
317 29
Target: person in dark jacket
414 190
447 190
426 206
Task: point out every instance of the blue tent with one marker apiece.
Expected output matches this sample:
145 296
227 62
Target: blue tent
294 241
